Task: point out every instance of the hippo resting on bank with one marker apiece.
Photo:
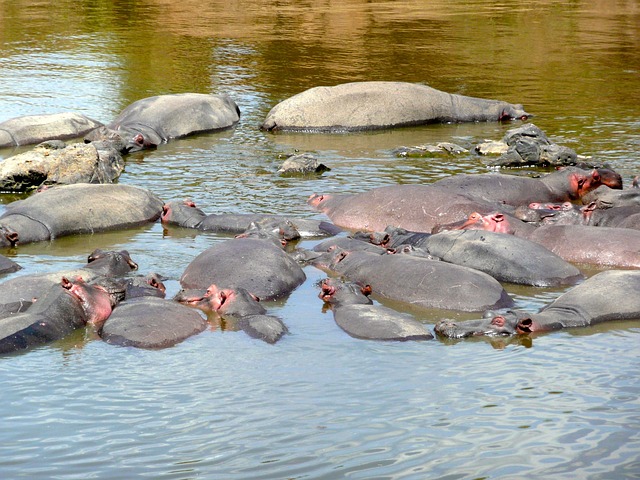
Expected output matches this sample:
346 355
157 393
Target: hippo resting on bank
151 322
256 265
151 121
376 105
65 307
354 313
418 282
32 129
607 296
186 214
239 306
76 209
420 208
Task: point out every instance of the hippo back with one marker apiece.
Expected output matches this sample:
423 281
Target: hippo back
31 129
87 208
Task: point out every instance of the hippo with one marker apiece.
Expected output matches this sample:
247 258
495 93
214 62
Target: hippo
607 296
606 197
19 293
600 246
418 208
151 121
56 212
418 282
359 106
64 307
354 313
186 214
255 265
151 322
241 307
566 184
7 265
32 129
501 256
620 217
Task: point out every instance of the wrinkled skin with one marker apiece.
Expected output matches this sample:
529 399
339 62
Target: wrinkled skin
255 265
32 129
186 214
151 322
377 105
63 308
110 263
418 282
607 296
56 212
151 121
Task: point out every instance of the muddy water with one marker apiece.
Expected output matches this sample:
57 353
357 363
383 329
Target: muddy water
319 404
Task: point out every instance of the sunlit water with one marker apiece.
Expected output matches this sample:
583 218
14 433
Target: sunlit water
319 404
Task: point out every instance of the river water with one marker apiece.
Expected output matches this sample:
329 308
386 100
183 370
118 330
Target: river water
319 404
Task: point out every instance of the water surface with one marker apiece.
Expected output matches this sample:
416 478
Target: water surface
319 404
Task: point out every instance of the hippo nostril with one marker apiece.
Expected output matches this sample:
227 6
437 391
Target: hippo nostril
525 326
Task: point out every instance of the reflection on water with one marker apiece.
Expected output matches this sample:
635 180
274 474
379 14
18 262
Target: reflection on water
319 404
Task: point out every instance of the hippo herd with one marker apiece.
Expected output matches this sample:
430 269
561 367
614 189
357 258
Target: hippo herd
447 246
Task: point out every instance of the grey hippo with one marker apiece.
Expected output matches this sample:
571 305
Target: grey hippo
32 129
76 209
376 105
151 121
607 296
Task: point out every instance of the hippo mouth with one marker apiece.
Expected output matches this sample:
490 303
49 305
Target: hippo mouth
327 292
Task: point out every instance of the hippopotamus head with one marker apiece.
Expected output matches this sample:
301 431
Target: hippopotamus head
493 222
278 231
182 213
492 325
8 237
514 112
336 292
122 140
235 302
111 263
95 300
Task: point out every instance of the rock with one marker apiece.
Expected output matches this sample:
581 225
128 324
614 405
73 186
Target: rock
302 164
442 148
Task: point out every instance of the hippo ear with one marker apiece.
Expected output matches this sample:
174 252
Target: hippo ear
255 297
366 290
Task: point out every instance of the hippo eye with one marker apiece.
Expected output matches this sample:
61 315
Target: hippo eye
498 322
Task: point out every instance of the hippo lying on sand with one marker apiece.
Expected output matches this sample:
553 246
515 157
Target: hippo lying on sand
32 129
355 314
607 296
64 308
75 209
151 121
377 105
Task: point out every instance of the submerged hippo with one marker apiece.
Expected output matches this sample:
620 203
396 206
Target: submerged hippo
376 105
65 307
151 322
607 296
32 129
356 315
419 282
239 306
75 209
258 266
151 121
186 214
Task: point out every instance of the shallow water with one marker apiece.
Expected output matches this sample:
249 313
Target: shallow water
319 404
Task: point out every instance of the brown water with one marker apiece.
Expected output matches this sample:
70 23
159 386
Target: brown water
320 404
